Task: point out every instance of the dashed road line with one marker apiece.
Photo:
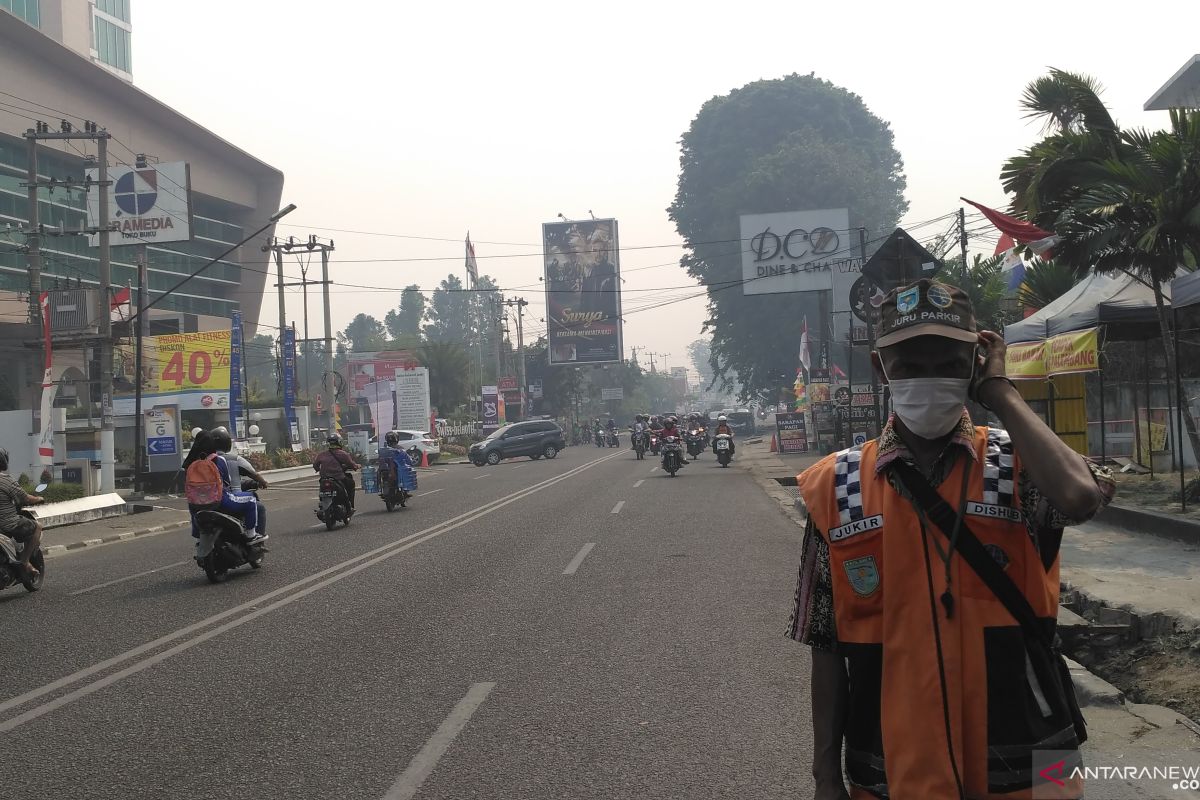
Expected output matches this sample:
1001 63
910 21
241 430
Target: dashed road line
578 559
617 508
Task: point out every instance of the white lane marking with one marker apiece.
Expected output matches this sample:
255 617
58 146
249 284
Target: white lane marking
578 559
254 608
518 466
639 483
484 475
431 491
424 762
617 508
653 470
129 577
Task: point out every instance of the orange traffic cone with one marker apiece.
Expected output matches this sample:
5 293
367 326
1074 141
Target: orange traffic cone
424 460
774 446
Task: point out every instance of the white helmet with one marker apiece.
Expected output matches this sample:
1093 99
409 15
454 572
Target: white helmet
722 418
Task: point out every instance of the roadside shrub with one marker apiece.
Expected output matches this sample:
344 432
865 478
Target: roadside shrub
454 450
260 461
57 492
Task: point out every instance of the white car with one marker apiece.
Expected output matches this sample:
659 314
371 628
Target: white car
422 441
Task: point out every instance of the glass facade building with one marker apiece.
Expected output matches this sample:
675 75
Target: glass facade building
111 33
28 10
70 258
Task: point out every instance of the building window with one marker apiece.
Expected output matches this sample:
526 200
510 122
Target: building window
112 45
28 10
118 9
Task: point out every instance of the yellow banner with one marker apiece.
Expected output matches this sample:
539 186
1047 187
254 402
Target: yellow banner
1025 361
190 361
1072 352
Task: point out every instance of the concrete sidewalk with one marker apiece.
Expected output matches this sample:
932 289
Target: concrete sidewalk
57 541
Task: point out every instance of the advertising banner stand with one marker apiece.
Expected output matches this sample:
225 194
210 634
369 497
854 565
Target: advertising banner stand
792 432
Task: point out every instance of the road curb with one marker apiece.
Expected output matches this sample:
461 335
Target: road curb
1149 522
126 536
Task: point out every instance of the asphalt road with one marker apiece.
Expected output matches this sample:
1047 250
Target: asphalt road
575 628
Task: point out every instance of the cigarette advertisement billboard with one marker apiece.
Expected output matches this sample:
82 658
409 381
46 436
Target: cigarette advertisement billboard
583 291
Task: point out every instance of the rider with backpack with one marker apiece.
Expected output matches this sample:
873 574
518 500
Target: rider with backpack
207 487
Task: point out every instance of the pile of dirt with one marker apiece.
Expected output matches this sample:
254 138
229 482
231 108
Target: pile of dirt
1164 671
1158 493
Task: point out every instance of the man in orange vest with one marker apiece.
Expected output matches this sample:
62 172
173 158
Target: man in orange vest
929 581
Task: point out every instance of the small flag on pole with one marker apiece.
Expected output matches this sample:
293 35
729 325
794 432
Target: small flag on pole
805 356
472 264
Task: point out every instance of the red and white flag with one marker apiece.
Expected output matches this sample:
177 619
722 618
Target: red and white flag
1039 241
472 264
805 356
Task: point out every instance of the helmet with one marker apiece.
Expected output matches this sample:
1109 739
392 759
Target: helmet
391 438
673 419
334 440
221 440
722 418
3 460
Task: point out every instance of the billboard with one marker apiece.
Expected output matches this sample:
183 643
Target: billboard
364 368
795 251
149 204
412 399
190 370
583 291
791 432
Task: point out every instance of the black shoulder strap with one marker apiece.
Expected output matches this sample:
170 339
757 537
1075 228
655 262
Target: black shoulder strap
972 551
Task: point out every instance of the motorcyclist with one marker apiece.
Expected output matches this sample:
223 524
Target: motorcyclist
336 464
597 431
723 428
656 423
406 473
640 426
237 466
671 428
20 529
233 502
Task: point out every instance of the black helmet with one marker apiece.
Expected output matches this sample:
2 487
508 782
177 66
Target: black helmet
334 440
3 460
391 438
221 440
673 419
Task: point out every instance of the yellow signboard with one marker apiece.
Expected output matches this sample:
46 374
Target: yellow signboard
191 361
1026 360
1072 352
190 370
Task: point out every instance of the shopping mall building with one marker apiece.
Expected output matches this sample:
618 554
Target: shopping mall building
70 60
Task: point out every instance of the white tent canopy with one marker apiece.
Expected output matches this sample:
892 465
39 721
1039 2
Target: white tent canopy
1116 298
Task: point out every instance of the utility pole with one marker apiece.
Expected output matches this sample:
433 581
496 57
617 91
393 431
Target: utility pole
139 436
108 461
90 132
870 289
520 303
962 238
652 355
314 243
499 319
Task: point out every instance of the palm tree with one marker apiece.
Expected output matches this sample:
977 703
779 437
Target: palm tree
1122 200
449 373
1045 282
986 287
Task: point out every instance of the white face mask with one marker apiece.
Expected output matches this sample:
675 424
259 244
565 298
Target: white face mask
929 407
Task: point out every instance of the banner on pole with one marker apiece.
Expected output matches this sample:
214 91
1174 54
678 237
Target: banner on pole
235 375
49 389
583 291
1072 352
1025 361
289 387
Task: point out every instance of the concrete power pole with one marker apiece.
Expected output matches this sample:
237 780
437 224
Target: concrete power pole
520 303
90 132
108 461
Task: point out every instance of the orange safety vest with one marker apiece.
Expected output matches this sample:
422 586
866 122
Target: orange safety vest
887 581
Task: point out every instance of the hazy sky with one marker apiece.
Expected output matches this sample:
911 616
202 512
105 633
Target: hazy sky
429 119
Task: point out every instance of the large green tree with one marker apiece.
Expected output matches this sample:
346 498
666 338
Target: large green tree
1045 282
700 351
794 143
364 334
1121 200
405 321
449 368
468 317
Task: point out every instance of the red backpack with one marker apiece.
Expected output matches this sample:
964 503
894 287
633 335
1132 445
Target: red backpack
202 485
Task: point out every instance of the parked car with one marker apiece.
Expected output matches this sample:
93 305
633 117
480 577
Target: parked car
409 439
742 421
534 438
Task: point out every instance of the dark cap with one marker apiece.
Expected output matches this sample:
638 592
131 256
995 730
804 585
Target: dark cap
926 308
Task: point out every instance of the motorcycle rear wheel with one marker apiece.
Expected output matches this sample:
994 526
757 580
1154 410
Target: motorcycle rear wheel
214 571
330 522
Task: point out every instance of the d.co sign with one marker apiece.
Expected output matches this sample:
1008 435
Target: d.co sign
793 251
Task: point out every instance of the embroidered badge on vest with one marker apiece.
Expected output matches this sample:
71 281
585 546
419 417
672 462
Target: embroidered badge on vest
846 485
863 575
998 469
998 555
